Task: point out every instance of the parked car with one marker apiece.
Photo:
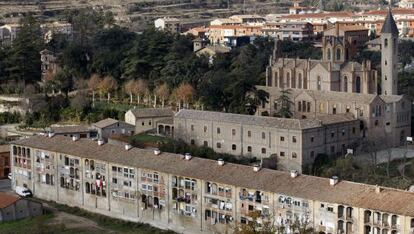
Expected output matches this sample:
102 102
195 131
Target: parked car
23 192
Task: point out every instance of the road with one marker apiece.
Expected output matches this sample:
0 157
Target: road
5 185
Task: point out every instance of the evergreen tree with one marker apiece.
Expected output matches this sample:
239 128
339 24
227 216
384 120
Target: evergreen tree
24 58
284 101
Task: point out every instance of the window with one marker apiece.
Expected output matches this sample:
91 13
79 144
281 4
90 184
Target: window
205 128
218 145
308 106
328 54
347 109
294 139
282 138
149 123
330 209
233 147
249 149
312 139
299 106
332 134
249 134
192 141
263 135
282 154
192 127
114 180
233 132
353 130
334 109
205 143
343 132
263 150
218 130
338 54
294 155
319 84
142 123
385 43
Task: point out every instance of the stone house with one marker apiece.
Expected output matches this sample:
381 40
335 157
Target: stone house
145 119
108 127
12 207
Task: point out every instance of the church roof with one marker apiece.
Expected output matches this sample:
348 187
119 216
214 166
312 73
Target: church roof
389 25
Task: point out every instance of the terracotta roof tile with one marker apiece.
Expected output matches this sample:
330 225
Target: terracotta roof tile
7 199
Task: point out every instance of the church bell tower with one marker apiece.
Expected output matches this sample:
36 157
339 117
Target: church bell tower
389 56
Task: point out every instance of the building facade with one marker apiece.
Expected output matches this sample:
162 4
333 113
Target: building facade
12 207
337 85
294 142
4 161
145 119
111 127
195 195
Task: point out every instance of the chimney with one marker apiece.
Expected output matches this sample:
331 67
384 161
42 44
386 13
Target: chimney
101 142
256 168
128 147
157 151
378 189
333 180
293 173
220 162
50 134
75 138
187 156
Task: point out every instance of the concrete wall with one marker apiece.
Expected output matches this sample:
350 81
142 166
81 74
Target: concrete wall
20 209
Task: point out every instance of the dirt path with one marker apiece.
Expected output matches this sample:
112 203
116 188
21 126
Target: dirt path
71 221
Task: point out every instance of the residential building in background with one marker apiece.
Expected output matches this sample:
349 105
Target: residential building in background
50 65
194 195
168 24
145 119
8 34
5 164
108 127
294 143
295 31
78 131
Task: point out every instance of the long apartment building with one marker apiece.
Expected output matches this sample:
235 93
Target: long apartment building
195 195
294 142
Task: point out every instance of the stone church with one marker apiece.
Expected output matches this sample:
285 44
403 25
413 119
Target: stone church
336 84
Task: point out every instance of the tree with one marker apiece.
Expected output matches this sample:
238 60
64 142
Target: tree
23 62
129 88
140 89
107 86
80 102
285 103
93 84
184 94
163 92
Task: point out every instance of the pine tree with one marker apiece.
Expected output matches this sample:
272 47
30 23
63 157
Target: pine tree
285 103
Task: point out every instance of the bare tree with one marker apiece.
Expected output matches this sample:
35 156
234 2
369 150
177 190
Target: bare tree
107 86
140 89
129 88
184 93
93 84
163 92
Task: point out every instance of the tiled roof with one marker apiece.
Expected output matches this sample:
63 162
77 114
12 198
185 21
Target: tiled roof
262 121
151 112
7 199
306 187
389 25
69 129
105 123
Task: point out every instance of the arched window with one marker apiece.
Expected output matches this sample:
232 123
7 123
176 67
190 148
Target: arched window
358 84
345 87
328 54
213 188
300 81
338 54
385 43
